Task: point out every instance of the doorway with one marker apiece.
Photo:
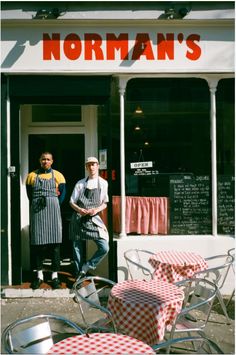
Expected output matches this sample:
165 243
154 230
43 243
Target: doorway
86 92
70 138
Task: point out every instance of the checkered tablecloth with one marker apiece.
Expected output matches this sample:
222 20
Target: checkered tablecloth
173 266
143 309
101 343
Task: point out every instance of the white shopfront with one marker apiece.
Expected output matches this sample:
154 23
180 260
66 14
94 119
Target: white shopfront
124 52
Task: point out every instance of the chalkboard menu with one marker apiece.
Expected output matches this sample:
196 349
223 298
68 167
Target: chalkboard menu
226 203
190 204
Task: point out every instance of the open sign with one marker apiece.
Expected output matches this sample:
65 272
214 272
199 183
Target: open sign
141 164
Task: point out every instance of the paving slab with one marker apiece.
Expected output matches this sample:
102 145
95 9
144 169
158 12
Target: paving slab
15 308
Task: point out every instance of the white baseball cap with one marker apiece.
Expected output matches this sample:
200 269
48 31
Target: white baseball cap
91 160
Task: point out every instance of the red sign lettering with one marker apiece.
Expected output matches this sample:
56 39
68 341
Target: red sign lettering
72 46
165 46
51 46
119 43
142 47
94 47
196 50
93 43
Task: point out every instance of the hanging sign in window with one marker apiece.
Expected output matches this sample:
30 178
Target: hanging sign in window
141 164
143 168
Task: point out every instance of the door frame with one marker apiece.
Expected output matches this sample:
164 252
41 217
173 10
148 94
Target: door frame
87 126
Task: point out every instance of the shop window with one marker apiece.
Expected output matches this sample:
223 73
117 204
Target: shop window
173 129
168 148
172 139
225 156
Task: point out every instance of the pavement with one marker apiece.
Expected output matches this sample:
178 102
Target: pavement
20 302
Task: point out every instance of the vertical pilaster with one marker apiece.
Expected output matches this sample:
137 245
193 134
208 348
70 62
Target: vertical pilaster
122 87
213 87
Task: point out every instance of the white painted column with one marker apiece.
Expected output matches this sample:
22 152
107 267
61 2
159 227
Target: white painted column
213 87
9 185
122 87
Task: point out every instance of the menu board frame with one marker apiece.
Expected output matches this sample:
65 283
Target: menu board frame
226 204
190 204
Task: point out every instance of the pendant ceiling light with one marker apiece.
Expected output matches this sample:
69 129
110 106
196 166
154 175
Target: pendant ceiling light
138 111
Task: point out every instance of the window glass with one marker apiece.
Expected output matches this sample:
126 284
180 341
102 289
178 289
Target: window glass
109 136
225 156
56 113
168 149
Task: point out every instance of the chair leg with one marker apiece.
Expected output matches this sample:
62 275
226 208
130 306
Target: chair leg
194 347
223 307
167 350
230 299
192 342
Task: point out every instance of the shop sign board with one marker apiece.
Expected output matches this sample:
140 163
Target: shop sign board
120 49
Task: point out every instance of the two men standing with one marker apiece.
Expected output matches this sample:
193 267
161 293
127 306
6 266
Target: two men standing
46 189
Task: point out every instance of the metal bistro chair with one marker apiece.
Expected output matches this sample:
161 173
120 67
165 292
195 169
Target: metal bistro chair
138 265
217 271
92 293
202 346
231 252
37 334
196 309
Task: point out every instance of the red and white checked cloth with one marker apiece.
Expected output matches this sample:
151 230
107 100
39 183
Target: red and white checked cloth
101 343
173 266
143 309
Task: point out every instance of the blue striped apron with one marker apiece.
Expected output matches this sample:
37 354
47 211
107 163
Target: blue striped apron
45 213
83 227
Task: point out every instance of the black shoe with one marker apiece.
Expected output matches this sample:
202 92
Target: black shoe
36 283
56 283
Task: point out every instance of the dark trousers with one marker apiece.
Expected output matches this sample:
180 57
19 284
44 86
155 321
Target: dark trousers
40 252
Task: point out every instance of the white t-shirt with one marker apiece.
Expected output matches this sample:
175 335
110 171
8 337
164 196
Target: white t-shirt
91 184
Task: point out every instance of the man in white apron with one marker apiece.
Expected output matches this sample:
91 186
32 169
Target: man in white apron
89 197
46 191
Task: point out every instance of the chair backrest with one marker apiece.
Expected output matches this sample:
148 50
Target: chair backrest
36 339
218 268
92 293
200 295
36 334
138 265
203 345
231 252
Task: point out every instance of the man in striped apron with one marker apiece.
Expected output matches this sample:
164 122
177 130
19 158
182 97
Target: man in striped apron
46 191
89 197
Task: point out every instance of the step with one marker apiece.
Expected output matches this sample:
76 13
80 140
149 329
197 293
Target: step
40 292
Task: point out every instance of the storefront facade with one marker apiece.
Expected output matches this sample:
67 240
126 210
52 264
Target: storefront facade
146 88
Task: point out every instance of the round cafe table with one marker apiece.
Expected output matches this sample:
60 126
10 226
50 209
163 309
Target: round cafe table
143 309
173 266
101 343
